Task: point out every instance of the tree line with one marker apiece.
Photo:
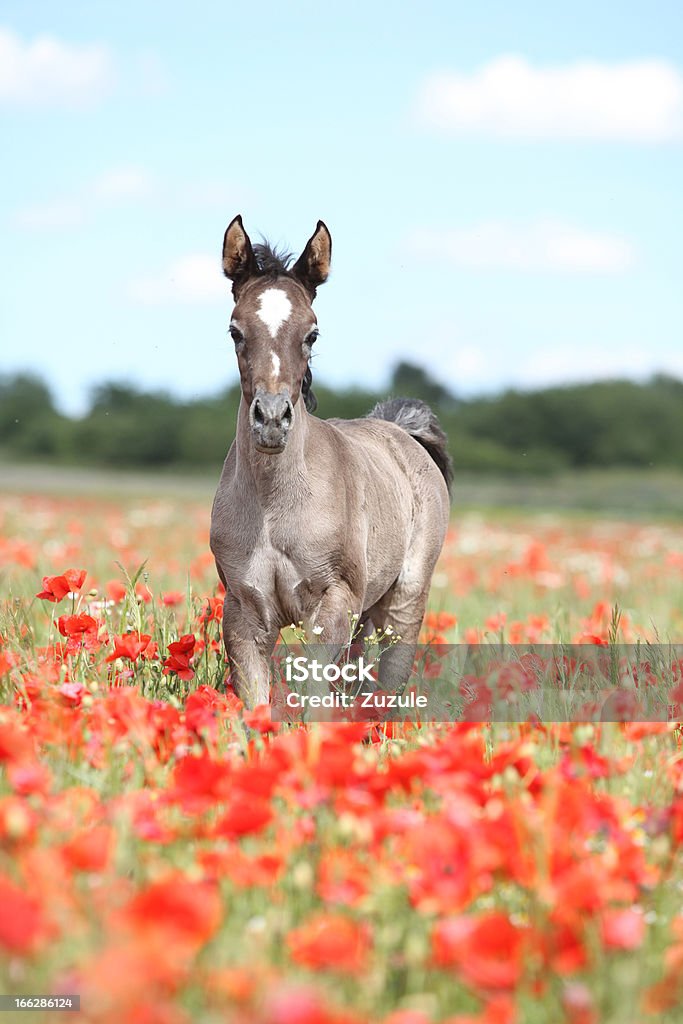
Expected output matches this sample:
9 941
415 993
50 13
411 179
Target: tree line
606 423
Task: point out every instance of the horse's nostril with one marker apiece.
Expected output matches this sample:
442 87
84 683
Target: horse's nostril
287 414
258 412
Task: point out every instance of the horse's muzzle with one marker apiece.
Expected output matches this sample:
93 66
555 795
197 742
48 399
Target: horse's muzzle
271 418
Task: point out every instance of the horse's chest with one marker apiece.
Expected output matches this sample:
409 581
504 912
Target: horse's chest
279 584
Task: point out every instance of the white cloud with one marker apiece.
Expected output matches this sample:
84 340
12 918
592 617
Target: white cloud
122 184
633 101
479 363
196 278
48 72
540 246
128 184
560 364
60 215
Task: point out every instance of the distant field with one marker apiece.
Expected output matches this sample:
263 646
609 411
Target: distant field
626 493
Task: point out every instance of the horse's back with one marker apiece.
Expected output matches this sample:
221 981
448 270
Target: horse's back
391 453
405 490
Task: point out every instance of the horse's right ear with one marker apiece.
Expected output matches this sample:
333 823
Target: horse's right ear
238 256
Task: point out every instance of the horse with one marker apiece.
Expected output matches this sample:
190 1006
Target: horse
323 523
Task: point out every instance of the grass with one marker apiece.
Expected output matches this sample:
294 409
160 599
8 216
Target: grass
636 493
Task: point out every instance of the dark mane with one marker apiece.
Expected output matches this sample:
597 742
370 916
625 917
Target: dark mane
310 401
271 261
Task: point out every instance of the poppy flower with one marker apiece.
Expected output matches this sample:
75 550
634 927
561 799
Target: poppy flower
245 815
116 590
75 625
55 588
29 777
205 708
180 909
82 632
623 929
487 950
201 779
330 942
90 849
8 661
303 1005
21 920
260 719
180 654
129 646
212 611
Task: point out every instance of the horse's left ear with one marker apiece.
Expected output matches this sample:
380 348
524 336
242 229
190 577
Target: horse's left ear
238 256
313 266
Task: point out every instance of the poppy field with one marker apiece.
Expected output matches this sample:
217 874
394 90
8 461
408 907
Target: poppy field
172 857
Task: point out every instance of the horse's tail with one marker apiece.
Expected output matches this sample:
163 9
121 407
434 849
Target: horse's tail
421 423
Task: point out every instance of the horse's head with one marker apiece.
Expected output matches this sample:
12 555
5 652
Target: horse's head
274 327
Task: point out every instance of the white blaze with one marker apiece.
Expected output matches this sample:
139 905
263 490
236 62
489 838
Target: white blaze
274 309
276 364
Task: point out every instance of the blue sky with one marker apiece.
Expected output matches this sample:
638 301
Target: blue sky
501 181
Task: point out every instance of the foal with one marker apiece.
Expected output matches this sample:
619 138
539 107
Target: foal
316 521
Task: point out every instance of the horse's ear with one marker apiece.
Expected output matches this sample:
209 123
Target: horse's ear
313 265
238 256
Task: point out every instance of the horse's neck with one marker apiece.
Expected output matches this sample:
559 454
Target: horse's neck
273 477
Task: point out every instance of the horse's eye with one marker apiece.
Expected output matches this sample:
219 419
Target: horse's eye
312 336
236 334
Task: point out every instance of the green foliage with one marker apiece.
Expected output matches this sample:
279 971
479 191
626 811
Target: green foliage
607 423
23 398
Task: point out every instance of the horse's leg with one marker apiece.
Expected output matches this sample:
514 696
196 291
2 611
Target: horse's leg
402 608
249 649
335 620
334 624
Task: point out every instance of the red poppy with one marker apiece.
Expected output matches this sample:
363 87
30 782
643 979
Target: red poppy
260 719
578 1005
245 814
21 920
143 592
129 645
488 950
623 929
82 632
330 942
90 849
200 781
181 910
212 611
29 777
8 661
55 588
73 625
116 590
205 709
300 1005
342 878
179 657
